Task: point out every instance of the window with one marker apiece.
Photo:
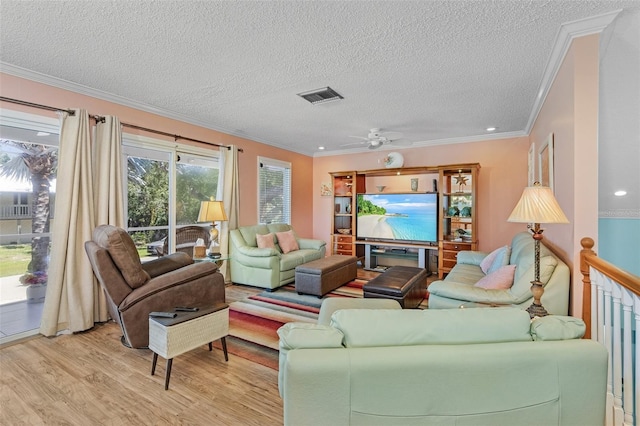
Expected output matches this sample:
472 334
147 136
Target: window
164 190
196 181
274 191
147 189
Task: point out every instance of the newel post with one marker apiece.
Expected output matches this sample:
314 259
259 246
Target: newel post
587 246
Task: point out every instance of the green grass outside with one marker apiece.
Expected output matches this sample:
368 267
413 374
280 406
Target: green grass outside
14 259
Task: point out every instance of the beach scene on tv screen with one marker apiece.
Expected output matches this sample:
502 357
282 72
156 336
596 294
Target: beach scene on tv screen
408 217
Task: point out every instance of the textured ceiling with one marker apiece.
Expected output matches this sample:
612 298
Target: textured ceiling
433 70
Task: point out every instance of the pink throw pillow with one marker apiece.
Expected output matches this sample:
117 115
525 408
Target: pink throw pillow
287 241
501 279
495 260
265 240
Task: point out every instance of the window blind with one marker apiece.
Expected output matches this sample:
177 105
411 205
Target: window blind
274 191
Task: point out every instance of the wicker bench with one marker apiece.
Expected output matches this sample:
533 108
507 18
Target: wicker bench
321 276
405 284
170 337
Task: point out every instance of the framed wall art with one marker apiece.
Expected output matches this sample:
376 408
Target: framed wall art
545 162
325 189
531 161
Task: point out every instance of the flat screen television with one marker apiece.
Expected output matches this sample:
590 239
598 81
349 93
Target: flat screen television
408 217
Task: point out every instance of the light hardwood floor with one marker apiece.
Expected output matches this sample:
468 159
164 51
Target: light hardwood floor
89 378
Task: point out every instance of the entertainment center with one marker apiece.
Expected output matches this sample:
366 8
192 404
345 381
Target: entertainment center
375 251
383 216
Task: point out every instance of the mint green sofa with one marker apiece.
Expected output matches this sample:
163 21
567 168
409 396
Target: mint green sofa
457 289
488 366
268 267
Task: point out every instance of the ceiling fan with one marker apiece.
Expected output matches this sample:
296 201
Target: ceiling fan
376 138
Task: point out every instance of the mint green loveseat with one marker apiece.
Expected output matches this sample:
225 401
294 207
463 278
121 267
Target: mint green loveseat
442 367
458 289
268 267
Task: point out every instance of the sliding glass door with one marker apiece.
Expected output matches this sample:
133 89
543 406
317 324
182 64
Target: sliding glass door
28 166
165 184
164 191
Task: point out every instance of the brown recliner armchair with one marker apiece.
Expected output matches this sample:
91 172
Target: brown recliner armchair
135 289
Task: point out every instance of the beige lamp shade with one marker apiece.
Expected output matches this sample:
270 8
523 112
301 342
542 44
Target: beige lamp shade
212 211
537 205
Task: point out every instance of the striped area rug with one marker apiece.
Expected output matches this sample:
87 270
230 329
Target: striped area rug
257 317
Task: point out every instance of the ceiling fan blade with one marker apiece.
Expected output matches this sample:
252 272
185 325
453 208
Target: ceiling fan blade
392 135
354 144
401 142
359 137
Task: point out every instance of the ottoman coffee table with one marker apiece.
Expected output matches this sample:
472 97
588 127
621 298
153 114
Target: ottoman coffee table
320 276
405 284
170 337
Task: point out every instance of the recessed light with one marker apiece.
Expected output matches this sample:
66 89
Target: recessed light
321 148
620 193
491 129
42 134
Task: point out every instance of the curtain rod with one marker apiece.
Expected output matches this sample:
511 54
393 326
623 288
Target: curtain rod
100 118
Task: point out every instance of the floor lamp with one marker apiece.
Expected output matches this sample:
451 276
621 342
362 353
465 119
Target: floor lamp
537 205
212 211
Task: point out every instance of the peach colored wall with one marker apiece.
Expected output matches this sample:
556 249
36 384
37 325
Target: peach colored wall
570 112
503 176
302 211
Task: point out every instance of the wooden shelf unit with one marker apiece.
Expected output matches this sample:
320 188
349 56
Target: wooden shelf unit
345 187
457 230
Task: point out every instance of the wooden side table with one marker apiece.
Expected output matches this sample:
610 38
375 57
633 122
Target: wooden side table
170 337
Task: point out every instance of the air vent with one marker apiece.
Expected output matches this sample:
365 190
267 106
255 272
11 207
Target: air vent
318 96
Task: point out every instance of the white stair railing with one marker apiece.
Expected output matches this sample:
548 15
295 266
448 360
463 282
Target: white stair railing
611 310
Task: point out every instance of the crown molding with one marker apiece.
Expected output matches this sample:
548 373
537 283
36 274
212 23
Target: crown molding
468 139
564 38
619 214
121 100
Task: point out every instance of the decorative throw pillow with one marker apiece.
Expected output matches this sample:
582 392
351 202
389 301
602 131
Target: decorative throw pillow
501 279
287 241
495 260
265 240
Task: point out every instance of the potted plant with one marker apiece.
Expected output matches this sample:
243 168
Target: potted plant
37 286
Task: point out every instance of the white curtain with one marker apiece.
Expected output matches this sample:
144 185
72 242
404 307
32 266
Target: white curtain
228 188
108 194
69 301
88 192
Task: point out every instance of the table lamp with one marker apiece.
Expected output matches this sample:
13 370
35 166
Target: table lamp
212 211
537 205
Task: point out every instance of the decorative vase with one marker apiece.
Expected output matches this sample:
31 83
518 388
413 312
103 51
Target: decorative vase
349 208
36 293
414 184
337 208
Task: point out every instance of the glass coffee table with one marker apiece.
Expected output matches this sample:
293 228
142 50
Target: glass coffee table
217 260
